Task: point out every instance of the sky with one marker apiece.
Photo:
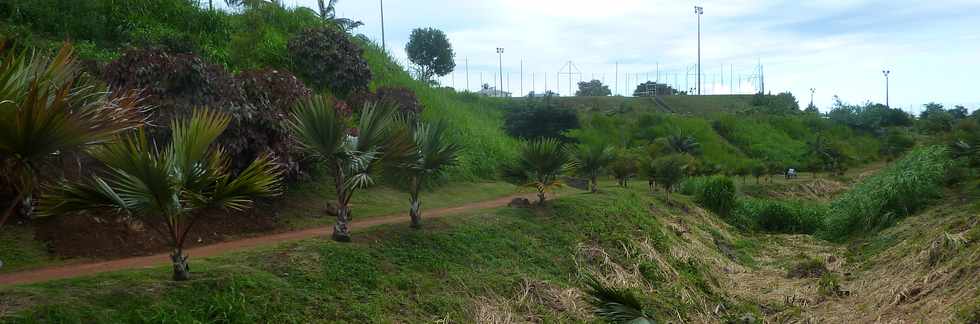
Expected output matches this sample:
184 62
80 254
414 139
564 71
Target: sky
837 47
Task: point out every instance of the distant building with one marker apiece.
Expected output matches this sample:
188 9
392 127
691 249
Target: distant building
493 92
533 94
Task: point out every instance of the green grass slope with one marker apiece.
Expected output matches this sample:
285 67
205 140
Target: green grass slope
689 105
477 120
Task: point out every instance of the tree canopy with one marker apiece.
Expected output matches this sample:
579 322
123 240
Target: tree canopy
429 49
593 88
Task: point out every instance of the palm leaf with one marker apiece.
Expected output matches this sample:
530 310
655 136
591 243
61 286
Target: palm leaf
615 305
318 127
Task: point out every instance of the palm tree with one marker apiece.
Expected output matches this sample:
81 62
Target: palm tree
589 160
351 161
168 188
50 109
433 153
669 170
623 169
539 164
615 305
328 13
684 144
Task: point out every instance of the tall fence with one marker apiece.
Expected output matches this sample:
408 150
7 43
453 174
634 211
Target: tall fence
520 81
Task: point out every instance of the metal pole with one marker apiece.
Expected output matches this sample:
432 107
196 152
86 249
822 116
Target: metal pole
467 73
383 48
500 54
699 11
886 73
617 78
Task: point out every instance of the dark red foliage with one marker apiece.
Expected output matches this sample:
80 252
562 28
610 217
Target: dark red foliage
327 59
272 94
176 84
403 97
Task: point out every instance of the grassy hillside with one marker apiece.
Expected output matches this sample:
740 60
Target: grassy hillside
478 120
692 105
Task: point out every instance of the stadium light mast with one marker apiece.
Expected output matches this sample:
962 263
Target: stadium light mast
500 54
886 73
698 10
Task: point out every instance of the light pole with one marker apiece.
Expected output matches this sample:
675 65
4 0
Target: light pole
886 73
500 54
812 91
699 11
385 49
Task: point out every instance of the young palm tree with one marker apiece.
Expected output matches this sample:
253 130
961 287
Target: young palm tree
669 170
589 160
351 161
434 152
624 168
50 109
168 187
539 164
328 12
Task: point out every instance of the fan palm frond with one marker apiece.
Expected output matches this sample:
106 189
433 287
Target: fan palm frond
615 305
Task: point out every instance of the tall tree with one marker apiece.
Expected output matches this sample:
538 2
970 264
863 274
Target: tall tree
429 49
351 161
434 152
593 88
539 164
167 187
589 160
49 109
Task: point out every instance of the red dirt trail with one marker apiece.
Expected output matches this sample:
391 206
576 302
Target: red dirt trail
85 269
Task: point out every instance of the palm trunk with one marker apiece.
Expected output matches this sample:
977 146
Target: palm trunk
415 208
595 184
182 271
540 197
416 213
341 230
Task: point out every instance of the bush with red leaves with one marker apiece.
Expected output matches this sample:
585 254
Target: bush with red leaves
327 59
176 84
404 97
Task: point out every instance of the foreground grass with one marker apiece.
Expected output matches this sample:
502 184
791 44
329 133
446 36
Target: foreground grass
393 274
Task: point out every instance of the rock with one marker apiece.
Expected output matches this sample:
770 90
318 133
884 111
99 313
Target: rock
519 202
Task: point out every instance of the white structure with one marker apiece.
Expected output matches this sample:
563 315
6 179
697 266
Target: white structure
493 92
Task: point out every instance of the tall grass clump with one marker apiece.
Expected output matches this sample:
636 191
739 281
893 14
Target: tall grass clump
717 195
691 186
897 191
773 216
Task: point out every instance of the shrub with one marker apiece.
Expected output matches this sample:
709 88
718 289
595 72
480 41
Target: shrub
717 195
403 97
897 191
791 217
326 58
540 119
693 185
273 94
176 84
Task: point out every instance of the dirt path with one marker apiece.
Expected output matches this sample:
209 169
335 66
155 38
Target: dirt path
85 269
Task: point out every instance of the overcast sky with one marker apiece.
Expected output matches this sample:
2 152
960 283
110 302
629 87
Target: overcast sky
836 46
